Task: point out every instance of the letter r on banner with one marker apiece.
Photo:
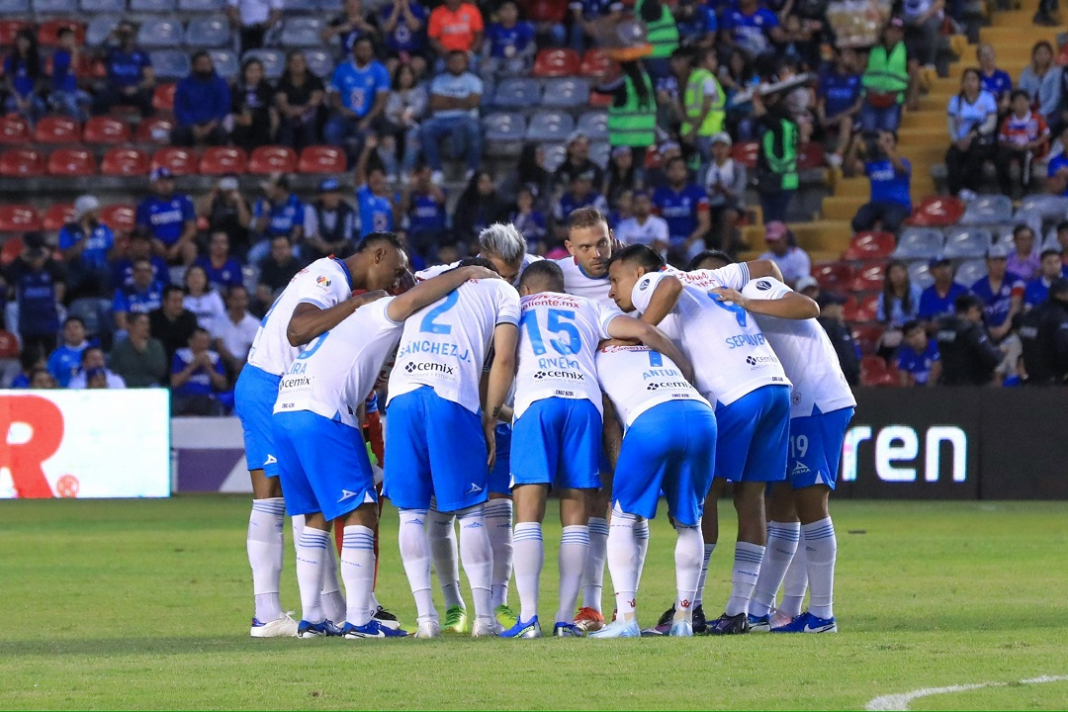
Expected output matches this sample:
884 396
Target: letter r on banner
23 459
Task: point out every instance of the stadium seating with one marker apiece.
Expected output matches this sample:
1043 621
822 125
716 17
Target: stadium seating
14 7
201 5
322 159
55 7
556 63
88 310
57 130
14 131
120 218
867 308
546 126
1032 219
125 162
834 276
160 32
272 159
10 251
302 32
226 63
57 216
10 28
19 218
320 62
920 274
810 156
987 210
171 64
95 7
963 243
71 162
594 125
746 153
919 243
555 154
273 60
866 337
600 153
154 130
163 98
152 5
9 345
874 372
566 93
179 161
21 163
595 63
936 211
869 278
220 160
517 94
970 272
1002 234
96 34
104 130
504 127
870 246
1052 208
208 32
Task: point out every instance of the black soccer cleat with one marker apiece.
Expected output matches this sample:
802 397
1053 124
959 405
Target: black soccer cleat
729 625
700 625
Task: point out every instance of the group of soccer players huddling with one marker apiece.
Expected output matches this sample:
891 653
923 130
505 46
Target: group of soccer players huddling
608 378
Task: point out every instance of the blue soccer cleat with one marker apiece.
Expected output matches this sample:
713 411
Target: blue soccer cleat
524 629
808 623
759 624
317 630
681 629
373 629
564 629
619 629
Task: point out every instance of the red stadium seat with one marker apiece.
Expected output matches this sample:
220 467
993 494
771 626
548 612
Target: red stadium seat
937 211
867 308
48 33
869 278
14 131
220 160
599 100
595 62
57 216
105 130
19 218
10 251
551 11
9 345
875 372
746 153
8 30
272 159
810 156
163 98
154 130
125 162
870 246
834 276
57 129
180 161
21 162
556 63
71 162
119 217
867 336
322 159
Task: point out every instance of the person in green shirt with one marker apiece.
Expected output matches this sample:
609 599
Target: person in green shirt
139 359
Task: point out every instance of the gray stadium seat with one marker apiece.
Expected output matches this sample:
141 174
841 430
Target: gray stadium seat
97 6
600 153
250 275
320 62
302 32
517 94
302 6
919 243
170 63
1052 208
99 29
920 274
202 5
987 210
594 125
226 63
152 5
330 5
274 61
970 272
504 127
1002 234
161 32
964 243
1031 219
208 32
14 7
555 154
88 310
566 93
550 126
55 7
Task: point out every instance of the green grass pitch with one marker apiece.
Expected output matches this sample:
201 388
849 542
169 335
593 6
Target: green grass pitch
145 605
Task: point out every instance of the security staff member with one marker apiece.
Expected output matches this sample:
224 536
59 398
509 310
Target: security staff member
1044 337
968 356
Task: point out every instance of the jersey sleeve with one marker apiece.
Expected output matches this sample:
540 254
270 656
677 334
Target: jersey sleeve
643 290
765 289
508 305
323 290
605 316
735 276
377 314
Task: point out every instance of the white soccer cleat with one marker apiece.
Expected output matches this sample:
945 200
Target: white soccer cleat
486 628
428 629
281 627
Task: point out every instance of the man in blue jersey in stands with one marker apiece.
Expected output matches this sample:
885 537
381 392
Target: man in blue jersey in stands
170 219
684 206
358 93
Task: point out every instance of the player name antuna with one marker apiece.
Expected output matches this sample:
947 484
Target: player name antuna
435 348
660 373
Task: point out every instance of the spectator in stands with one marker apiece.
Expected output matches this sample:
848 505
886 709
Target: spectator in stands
31 360
41 379
222 270
1049 269
776 167
253 114
739 79
632 113
530 222
86 245
376 204
144 294
1008 372
644 228
973 118
725 184
832 319
584 15
530 173
1034 74
234 333
1061 238
169 219
580 194
662 34
509 46
887 82
200 299
622 174
329 223
350 26
917 359
65 360
196 376
899 302
201 105
478 208
37 283
809 287
968 356
407 105
454 99
576 161
839 99
359 90
139 359
1024 259
1057 168
697 24
1024 136
620 209
424 205
299 103
278 212
923 29
793 262
1000 291
254 18
684 206
995 81
227 211
889 175
66 97
939 299
1044 338
750 27
1044 15
131 80
276 270
172 323
94 367
138 248
403 24
22 72
704 101
455 26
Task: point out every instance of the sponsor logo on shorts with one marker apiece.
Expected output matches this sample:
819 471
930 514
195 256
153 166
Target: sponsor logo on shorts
271 460
564 375
800 468
346 494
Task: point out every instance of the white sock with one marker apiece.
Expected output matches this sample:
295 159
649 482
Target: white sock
358 571
312 553
477 558
529 558
574 549
593 571
782 545
330 597
641 533
498 514
624 560
442 537
415 553
700 596
794 585
688 567
266 549
821 551
747 558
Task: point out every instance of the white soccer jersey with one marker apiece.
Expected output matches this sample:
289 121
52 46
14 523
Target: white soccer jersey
730 355
558 336
577 282
636 378
436 270
324 283
630 232
807 356
335 372
444 345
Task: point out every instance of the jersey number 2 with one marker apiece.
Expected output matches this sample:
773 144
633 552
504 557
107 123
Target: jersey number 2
432 327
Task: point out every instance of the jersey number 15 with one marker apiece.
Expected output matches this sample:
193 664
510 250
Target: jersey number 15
559 323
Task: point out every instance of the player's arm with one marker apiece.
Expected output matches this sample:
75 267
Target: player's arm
790 305
764 268
504 413
627 327
501 373
612 434
310 320
428 292
936 374
665 296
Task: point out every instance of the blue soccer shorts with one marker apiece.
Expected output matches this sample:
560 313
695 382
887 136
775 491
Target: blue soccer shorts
323 465
557 442
254 397
434 448
670 447
754 436
816 448
500 478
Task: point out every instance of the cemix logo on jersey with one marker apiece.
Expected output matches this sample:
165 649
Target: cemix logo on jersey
431 368
758 361
562 375
897 452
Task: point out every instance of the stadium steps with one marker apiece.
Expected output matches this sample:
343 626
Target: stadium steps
815 236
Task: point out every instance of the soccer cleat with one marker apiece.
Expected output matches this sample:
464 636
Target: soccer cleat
505 617
386 618
372 629
618 629
428 629
729 625
456 621
778 618
528 629
681 629
588 620
317 630
808 623
700 625
281 627
563 629
759 624
663 626
484 628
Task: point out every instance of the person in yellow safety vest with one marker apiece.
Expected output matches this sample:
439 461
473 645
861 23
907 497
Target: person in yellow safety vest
703 104
886 81
632 114
662 33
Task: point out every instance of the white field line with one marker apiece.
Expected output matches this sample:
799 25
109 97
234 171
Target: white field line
901 701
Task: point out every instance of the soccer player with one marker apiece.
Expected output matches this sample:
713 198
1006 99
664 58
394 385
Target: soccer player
324 468
556 439
316 300
738 372
437 433
822 406
669 445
